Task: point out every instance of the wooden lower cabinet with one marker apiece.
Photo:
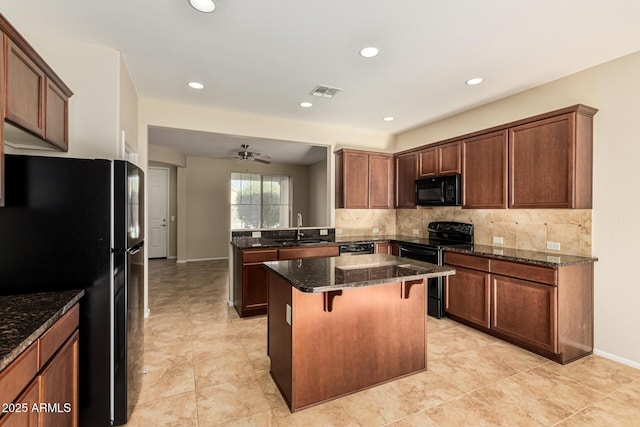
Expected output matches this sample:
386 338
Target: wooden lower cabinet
467 296
525 311
547 310
42 382
339 342
24 417
59 387
250 281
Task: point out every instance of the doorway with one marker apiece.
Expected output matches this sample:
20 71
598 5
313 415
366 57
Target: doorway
158 186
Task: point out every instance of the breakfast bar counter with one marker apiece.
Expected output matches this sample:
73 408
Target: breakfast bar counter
342 324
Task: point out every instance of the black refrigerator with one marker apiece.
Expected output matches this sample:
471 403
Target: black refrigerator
78 224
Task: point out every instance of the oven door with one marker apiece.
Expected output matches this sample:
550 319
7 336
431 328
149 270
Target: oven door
435 285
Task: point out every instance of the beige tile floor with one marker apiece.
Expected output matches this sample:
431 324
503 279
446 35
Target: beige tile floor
208 367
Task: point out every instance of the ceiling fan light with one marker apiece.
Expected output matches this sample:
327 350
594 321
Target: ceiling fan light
203 5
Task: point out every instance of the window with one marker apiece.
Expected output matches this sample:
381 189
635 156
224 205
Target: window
260 201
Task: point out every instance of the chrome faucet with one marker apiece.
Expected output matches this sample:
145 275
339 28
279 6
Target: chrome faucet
298 233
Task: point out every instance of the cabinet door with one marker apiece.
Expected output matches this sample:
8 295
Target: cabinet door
526 311
406 172
255 286
59 385
356 180
25 88
428 162
383 248
449 158
484 171
55 126
380 181
541 163
25 417
467 296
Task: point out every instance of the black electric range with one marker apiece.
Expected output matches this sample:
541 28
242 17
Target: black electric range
442 234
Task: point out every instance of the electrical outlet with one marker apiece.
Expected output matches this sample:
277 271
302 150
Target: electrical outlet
287 315
554 246
376 230
324 232
498 240
338 231
256 234
416 231
173 218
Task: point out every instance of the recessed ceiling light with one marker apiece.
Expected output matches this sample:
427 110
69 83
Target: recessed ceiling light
195 85
203 5
369 52
389 119
306 104
474 81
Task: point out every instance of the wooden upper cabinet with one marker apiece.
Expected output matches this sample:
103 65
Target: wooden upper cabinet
550 162
364 180
443 159
484 171
56 116
449 158
380 181
24 91
406 173
428 162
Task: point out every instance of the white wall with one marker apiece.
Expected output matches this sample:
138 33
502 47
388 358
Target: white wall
92 73
614 89
318 191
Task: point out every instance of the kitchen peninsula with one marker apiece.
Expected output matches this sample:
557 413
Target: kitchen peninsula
338 325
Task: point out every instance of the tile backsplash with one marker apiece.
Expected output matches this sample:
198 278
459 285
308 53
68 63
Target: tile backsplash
529 229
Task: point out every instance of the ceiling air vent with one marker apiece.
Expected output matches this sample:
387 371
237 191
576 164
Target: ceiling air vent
325 91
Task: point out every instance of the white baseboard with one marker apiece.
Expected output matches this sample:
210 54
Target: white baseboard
206 259
230 303
617 358
172 257
184 261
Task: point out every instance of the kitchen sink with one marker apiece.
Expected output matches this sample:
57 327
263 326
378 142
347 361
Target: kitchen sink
302 242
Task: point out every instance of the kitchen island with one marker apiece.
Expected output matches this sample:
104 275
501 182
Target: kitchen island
338 325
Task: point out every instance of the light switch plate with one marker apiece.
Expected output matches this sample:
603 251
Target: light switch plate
288 314
338 231
173 218
416 231
554 246
324 232
256 234
498 240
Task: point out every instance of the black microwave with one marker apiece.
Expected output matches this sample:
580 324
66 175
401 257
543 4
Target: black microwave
439 191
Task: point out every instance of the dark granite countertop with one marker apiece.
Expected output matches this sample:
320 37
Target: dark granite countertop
23 318
549 259
246 242
315 275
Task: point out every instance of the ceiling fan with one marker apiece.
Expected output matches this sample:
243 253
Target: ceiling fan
245 154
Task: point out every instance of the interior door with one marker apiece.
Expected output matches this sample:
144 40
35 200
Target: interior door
158 211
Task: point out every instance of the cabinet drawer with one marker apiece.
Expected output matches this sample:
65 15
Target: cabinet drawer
469 261
18 374
259 255
533 273
55 336
308 252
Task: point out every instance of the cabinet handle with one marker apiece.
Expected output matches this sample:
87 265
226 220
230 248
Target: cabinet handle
328 298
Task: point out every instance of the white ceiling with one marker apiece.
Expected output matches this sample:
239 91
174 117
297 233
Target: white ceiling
265 57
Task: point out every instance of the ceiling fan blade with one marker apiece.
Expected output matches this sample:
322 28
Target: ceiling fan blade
266 162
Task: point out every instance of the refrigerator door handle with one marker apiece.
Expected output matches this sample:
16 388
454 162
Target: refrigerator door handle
135 249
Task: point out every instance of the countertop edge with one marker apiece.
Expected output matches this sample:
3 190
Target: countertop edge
576 259
11 356
367 283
